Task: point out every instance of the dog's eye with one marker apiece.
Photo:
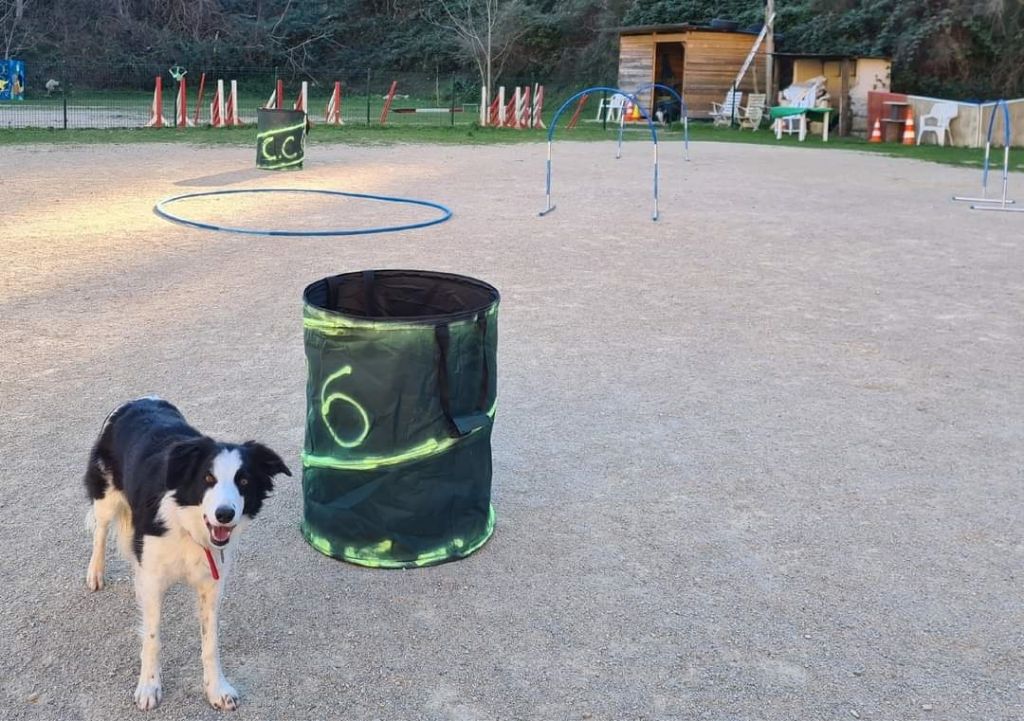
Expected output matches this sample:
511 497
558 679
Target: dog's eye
243 482
210 479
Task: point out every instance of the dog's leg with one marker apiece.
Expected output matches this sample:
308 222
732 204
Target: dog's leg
150 593
219 692
104 511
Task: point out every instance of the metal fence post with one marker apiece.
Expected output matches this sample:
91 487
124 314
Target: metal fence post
453 101
64 96
367 96
732 120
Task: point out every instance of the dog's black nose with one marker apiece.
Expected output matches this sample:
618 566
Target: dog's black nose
225 514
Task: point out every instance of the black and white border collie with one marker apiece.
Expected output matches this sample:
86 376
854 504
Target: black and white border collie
180 500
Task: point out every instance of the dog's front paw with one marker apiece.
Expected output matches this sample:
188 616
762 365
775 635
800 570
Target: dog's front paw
148 695
222 695
94 577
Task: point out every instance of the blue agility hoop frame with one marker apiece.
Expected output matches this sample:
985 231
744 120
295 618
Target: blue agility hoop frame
684 113
551 134
160 209
1007 138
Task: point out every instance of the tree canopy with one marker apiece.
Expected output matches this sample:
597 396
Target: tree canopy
956 48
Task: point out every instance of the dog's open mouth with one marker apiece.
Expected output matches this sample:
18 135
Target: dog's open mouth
219 535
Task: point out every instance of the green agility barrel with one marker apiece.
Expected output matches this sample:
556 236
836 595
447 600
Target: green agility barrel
280 139
400 401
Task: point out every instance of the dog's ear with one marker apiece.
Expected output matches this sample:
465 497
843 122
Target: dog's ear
186 459
265 459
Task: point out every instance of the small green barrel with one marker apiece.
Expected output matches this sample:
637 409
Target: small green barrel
401 394
280 139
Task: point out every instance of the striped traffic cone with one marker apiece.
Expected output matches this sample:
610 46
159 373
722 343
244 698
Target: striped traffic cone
909 136
876 132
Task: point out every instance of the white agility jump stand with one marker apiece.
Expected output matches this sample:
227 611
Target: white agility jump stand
522 111
181 118
231 107
302 102
276 100
537 107
217 110
224 108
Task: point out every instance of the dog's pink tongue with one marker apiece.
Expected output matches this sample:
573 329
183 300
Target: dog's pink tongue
220 533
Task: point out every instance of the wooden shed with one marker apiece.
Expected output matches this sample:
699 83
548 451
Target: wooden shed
701 62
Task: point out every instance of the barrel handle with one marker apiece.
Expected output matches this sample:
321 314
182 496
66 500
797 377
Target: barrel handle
465 423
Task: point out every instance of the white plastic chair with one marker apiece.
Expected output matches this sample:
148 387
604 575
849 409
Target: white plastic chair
723 113
611 108
942 114
802 95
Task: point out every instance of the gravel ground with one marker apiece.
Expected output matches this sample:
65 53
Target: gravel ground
759 460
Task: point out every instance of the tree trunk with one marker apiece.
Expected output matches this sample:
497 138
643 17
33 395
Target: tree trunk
490 31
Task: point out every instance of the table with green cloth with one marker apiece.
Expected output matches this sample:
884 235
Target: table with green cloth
821 115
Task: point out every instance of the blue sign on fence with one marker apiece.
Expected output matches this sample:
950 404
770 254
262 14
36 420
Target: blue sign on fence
12 80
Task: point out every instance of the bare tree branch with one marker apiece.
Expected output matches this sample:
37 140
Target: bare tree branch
12 12
487 30
284 13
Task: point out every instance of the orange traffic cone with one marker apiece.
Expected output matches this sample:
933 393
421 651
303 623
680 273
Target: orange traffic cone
635 114
909 136
876 132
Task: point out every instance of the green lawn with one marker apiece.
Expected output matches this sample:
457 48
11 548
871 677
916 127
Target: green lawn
466 134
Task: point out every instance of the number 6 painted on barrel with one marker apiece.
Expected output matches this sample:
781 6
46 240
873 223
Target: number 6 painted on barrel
325 406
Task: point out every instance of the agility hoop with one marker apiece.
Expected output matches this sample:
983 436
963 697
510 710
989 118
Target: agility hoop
551 135
997 203
161 210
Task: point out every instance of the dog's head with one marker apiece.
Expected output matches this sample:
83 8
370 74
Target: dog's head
225 482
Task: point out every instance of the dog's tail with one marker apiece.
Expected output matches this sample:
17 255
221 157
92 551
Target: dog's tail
123 529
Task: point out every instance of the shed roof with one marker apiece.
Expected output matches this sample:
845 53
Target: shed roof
679 28
831 56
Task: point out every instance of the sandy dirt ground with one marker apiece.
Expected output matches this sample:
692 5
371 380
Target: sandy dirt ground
761 459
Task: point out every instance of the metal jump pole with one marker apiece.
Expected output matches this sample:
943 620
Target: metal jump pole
622 127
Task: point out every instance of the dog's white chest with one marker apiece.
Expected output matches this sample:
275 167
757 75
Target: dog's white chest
175 557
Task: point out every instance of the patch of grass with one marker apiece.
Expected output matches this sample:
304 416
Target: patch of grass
321 134
473 135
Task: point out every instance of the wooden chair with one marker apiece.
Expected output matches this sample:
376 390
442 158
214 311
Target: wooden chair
753 113
723 113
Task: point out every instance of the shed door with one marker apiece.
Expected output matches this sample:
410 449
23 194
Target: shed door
668 64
